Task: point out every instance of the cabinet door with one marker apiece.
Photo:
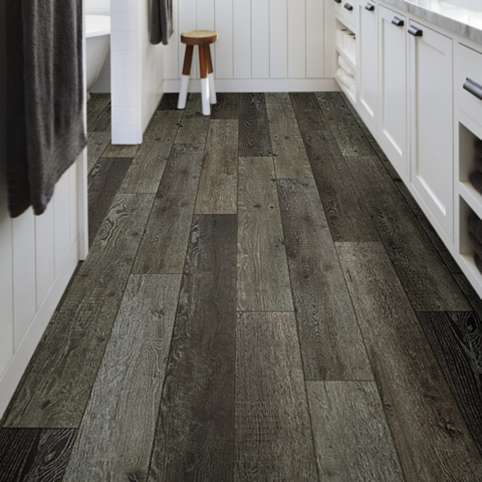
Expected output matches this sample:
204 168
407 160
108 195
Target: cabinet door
431 125
393 88
368 68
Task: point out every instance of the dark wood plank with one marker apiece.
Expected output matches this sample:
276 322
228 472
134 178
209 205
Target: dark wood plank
337 188
104 183
117 151
219 179
352 438
291 160
331 344
428 429
56 387
96 104
195 434
150 161
263 279
117 431
193 127
168 102
34 454
425 277
103 122
273 434
254 136
165 241
97 144
456 340
227 106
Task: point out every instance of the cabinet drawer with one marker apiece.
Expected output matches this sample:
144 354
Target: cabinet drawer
347 12
468 81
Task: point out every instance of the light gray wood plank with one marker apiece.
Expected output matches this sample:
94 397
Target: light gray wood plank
165 241
273 434
193 127
218 185
352 438
263 280
432 440
118 151
56 387
195 434
291 160
96 104
97 144
164 126
331 343
117 431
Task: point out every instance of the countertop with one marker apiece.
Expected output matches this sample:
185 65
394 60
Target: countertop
458 20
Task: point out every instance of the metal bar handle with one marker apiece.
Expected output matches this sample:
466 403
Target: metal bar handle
415 31
370 7
473 88
348 6
398 22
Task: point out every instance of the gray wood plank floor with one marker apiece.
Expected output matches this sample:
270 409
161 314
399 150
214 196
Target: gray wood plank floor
263 300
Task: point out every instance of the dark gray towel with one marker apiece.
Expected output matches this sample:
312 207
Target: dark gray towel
161 24
48 110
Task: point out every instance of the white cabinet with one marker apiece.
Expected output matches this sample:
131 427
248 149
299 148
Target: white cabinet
431 125
393 88
368 62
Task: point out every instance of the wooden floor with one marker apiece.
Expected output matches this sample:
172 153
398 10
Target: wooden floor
263 301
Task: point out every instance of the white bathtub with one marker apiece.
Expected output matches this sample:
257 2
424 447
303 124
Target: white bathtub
97 30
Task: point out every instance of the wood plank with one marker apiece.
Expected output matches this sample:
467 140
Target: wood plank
291 160
426 279
428 429
34 454
455 339
336 186
117 431
163 247
227 106
96 104
219 181
103 122
352 437
55 389
273 433
194 125
104 183
254 137
331 343
263 280
163 127
168 102
97 144
118 151
195 433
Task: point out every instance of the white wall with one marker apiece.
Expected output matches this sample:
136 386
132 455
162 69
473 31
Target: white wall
97 6
263 44
137 71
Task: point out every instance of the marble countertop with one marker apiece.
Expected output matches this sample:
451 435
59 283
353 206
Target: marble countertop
455 16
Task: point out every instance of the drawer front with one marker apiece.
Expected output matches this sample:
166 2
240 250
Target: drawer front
346 11
468 81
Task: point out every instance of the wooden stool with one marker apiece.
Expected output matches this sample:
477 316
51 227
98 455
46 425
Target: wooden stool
203 39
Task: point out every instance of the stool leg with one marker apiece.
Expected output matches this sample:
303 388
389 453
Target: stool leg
212 87
186 75
203 64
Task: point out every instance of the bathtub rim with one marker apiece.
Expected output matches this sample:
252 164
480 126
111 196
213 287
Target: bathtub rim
102 26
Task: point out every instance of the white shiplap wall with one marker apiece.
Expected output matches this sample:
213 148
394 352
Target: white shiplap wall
263 44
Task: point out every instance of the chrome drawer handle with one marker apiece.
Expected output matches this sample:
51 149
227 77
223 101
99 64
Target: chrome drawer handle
416 32
370 7
473 88
398 22
348 7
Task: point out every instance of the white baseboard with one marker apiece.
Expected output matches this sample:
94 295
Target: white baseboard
14 371
260 85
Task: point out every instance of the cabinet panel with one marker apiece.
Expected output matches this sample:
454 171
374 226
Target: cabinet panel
393 88
431 124
368 60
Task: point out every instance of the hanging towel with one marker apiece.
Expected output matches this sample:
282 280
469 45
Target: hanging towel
48 111
161 24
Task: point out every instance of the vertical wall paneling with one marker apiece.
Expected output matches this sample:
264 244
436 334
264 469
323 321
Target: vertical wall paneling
24 292
279 39
242 39
171 51
45 259
187 22
315 51
260 18
224 65
297 39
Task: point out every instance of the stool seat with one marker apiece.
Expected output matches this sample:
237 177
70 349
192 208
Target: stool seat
199 37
